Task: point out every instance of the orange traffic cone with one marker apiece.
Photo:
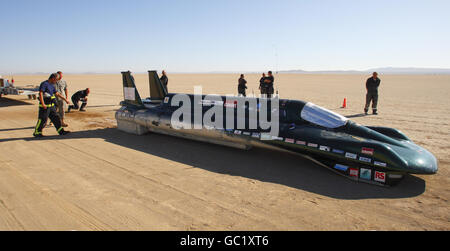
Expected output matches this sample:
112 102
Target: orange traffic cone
345 103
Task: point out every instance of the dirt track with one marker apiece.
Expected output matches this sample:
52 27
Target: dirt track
98 178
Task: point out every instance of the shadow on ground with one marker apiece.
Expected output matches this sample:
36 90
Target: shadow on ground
102 106
258 164
357 115
16 129
5 102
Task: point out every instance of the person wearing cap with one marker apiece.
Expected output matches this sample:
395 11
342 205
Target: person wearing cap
242 86
61 87
372 85
47 109
165 80
77 97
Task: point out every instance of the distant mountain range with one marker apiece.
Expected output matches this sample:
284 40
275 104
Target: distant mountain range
385 70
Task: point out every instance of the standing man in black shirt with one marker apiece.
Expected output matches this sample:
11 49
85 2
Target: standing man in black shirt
165 80
242 87
270 85
262 85
77 97
372 85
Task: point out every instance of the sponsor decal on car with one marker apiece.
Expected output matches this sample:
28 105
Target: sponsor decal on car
207 102
351 156
366 174
325 148
367 151
364 159
230 104
341 167
354 172
313 145
266 136
247 133
256 135
237 132
129 93
380 164
380 177
395 176
277 138
338 151
303 143
292 141
166 100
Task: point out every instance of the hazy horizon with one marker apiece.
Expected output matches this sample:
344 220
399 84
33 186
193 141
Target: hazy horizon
382 70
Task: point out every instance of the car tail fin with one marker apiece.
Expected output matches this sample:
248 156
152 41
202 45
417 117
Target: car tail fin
130 92
157 89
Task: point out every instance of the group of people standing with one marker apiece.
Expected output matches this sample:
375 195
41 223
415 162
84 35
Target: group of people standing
53 97
266 85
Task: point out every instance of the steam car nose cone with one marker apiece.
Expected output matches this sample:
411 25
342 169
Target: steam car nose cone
427 165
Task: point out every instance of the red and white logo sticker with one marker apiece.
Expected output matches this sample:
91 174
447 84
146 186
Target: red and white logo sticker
354 172
230 104
303 143
313 145
292 141
368 151
380 177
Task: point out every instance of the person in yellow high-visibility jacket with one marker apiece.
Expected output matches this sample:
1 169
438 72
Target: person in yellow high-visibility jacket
47 106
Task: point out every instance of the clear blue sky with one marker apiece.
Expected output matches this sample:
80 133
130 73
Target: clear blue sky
219 35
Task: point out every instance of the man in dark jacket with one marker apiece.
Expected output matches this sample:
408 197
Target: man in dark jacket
77 97
165 80
270 80
242 87
372 85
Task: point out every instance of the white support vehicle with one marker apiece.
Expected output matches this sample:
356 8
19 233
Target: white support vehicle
7 88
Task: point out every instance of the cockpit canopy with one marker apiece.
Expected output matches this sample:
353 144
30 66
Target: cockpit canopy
322 117
299 112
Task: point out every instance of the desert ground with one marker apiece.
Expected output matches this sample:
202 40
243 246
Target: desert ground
99 178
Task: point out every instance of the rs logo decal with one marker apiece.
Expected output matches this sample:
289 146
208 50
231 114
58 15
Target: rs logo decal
380 177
